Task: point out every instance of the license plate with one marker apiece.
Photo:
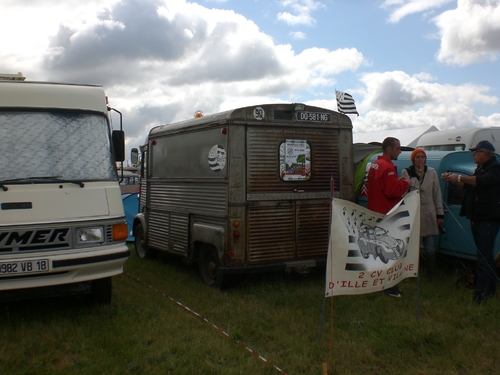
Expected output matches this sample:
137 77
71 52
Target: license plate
314 116
24 267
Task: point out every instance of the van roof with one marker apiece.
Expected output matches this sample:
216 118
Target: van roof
45 95
245 115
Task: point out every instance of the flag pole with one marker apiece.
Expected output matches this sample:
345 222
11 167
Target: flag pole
417 302
332 192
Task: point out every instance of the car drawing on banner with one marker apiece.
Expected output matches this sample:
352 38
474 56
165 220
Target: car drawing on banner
376 241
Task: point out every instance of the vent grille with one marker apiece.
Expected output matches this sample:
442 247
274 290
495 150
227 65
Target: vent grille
169 231
313 223
286 234
189 197
272 234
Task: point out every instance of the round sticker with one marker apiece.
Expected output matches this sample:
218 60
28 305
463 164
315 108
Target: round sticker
258 113
217 158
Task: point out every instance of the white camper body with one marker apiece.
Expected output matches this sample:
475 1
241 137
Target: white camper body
459 139
62 227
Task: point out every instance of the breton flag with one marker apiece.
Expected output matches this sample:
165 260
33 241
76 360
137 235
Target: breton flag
370 252
345 103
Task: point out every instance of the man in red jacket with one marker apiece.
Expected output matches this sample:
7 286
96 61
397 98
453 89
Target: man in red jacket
385 188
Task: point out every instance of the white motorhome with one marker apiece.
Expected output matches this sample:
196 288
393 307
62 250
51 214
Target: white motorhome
62 227
459 139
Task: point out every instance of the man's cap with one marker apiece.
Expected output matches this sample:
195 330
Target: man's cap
485 145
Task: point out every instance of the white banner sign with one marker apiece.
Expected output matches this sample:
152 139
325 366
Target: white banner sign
369 252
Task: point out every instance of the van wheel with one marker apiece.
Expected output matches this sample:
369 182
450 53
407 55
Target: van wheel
209 266
101 291
141 249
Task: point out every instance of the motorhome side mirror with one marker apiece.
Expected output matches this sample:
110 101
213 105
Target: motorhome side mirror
134 156
119 144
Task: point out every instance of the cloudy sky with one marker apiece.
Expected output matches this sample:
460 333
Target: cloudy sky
407 63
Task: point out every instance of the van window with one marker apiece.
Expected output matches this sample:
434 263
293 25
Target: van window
295 160
70 146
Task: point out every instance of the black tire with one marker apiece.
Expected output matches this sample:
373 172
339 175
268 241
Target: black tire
209 266
141 249
101 291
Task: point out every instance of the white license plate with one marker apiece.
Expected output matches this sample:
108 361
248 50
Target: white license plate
24 267
314 116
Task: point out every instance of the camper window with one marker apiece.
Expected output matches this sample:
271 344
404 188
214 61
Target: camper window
295 160
452 147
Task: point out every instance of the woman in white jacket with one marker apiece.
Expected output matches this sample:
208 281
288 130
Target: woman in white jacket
426 180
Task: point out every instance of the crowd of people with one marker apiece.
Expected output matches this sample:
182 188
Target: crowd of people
480 205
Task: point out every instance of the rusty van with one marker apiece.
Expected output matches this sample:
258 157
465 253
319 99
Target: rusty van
244 190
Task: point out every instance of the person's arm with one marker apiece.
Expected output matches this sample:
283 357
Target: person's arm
469 180
413 183
458 180
394 187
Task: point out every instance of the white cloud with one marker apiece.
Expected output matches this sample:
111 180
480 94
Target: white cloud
402 8
395 100
301 12
159 61
492 120
398 91
28 24
298 35
424 76
470 33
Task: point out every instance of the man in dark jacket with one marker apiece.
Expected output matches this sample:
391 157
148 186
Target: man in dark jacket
481 205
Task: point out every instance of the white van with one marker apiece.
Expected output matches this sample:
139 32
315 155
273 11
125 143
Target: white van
459 139
62 227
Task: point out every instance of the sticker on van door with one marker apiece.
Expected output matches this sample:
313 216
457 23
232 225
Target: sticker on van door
217 158
295 160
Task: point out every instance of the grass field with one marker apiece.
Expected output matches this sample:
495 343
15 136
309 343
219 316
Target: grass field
148 328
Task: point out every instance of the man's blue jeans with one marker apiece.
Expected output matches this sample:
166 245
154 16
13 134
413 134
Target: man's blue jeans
485 233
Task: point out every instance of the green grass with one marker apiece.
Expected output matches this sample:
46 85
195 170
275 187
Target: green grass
276 315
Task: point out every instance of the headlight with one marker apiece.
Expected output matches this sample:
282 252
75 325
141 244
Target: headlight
90 235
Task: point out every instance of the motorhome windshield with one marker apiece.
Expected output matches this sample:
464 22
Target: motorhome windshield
55 145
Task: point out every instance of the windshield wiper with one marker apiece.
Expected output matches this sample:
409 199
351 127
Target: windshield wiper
39 179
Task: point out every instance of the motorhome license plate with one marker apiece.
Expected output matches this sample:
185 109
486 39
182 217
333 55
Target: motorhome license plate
314 116
24 267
